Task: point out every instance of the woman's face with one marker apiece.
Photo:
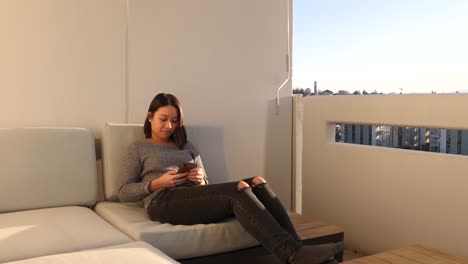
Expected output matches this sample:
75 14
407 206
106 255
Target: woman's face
163 122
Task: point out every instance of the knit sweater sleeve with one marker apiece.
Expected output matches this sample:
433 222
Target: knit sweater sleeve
132 188
196 156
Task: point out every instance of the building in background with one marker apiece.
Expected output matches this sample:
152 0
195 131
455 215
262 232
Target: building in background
411 138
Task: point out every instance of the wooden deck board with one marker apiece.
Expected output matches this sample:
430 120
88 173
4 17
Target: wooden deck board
439 254
415 254
366 260
309 227
319 232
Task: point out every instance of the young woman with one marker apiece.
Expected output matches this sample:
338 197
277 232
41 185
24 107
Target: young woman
150 174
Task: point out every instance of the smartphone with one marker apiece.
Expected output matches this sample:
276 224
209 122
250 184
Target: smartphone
187 167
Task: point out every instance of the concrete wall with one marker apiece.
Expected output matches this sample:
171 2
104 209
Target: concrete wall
386 198
72 63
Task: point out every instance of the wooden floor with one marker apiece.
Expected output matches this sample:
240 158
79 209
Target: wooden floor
410 255
310 227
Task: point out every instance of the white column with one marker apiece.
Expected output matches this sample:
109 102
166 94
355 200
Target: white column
296 182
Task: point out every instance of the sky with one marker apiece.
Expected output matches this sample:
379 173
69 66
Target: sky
392 46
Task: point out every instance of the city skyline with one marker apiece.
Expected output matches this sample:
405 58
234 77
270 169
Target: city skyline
398 46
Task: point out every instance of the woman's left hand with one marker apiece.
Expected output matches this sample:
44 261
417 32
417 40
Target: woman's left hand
197 176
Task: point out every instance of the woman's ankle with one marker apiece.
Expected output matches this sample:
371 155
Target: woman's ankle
290 259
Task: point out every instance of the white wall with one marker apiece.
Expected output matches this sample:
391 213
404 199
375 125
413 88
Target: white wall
62 62
224 60
386 198
67 63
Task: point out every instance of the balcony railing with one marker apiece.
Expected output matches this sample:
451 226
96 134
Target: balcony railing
385 197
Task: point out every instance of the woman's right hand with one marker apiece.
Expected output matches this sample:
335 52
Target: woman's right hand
168 180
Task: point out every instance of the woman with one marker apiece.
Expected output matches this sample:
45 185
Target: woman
150 174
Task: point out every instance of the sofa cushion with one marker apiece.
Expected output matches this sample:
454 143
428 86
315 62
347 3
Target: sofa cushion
177 241
129 253
43 232
46 167
116 139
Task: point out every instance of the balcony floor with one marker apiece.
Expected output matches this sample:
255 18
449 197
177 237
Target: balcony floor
350 255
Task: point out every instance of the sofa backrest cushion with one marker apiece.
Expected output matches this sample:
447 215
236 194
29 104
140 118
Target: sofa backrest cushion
115 142
46 167
117 137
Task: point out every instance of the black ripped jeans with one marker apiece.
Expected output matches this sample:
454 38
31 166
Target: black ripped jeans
256 208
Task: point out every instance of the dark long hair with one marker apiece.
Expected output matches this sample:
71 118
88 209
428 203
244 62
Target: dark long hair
179 137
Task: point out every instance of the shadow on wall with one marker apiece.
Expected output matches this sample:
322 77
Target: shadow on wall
210 142
278 149
99 168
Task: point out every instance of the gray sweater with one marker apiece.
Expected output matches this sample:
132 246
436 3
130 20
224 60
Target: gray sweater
146 161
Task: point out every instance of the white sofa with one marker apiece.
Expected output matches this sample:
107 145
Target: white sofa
180 241
129 253
48 183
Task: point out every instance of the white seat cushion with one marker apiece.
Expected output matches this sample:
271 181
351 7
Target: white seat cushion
48 231
177 241
129 253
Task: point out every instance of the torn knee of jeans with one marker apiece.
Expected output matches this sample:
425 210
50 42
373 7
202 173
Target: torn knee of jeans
242 185
257 181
